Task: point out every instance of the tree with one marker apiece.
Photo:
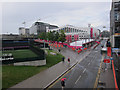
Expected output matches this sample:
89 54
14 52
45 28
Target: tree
50 36
62 36
43 35
105 34
56 37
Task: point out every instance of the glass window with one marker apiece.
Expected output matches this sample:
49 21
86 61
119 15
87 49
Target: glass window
73 29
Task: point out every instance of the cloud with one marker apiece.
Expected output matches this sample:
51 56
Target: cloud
62 13
97 15
56 0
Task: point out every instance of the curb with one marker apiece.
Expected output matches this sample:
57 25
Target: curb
98 74
59 76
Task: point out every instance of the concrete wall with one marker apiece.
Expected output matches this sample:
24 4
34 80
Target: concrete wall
31 63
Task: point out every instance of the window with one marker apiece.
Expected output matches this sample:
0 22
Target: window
73 29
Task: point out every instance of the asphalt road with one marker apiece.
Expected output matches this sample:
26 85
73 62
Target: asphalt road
84 74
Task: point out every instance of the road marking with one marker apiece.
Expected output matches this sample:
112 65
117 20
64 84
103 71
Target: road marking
78 79
86 54
88 63
84 70
98 74
61 77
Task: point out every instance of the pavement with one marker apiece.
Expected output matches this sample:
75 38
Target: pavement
49 76
84 74
44 78
106 78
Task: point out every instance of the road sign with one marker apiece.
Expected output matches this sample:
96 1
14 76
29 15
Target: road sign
106 60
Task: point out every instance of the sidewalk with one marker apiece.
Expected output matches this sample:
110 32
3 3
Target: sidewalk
44 78
106 79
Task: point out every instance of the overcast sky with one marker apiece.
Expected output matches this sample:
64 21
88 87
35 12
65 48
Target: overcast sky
79 14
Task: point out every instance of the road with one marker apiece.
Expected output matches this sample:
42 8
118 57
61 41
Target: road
84 74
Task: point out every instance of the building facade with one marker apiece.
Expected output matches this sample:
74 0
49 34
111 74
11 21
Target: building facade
115 24
39 27
24 31
76 33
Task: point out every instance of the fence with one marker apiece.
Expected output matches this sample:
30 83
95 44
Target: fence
36 50
116 59
21 60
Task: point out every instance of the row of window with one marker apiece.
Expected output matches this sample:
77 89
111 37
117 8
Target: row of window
67 30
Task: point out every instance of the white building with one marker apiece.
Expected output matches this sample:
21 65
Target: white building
39 27
76 33
23 31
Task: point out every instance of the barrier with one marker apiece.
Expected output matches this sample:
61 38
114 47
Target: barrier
108 51
116 86
85 48
79 51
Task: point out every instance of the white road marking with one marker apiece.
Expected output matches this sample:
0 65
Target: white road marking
88 63
84 70
78 79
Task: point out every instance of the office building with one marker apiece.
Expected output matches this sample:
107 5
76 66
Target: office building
39 27
24 31
115 24
76 33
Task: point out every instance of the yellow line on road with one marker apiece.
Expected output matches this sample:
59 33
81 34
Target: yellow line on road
98 74
61 77
65 73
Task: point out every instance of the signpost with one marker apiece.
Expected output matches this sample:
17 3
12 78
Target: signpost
106 61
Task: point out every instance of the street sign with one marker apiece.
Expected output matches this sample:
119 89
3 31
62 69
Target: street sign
106 61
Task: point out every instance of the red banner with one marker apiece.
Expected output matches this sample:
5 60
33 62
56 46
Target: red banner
108 51
91 32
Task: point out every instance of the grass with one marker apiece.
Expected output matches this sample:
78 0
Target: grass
12 75
25 53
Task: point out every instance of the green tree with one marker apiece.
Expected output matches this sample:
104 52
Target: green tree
62 36
50 36
56 37
43 35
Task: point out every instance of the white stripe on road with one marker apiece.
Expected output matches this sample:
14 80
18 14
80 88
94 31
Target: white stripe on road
84 70
88 63
78 79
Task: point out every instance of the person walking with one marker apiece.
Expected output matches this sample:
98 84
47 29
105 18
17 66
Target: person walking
108 44
69 60
63 59
59 50
63 83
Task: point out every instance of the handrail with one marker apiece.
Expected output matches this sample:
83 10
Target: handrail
116 86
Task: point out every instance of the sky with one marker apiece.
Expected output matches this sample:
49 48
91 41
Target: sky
78 14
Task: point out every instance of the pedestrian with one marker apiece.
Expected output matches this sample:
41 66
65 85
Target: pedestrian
59 50
63 59
102 46
63 83
108 44
69 60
